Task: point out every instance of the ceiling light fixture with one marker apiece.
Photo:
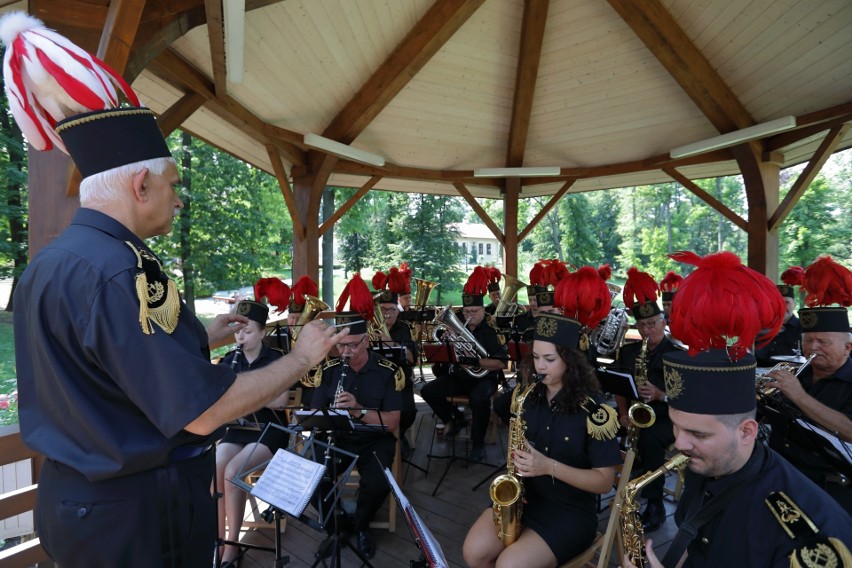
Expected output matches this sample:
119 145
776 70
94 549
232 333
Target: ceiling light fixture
517 172
234 17
736 137
343 150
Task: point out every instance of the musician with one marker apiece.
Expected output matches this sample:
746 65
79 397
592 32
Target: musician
750 506
524 324
242 446
821 394
453 380
400 335
405 293
571 455
788 342
371 394
668 287
639 295
493 288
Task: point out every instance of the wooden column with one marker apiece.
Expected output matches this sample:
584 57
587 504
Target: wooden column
762 180
305 246
510 226
50 208
770 171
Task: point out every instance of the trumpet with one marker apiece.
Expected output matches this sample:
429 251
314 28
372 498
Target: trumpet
763 381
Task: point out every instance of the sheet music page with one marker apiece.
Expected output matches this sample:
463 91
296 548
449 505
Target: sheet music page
843 448
288 482
626 376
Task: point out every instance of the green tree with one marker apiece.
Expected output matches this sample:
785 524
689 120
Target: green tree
812 228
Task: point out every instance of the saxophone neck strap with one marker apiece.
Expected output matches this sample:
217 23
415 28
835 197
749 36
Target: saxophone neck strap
699 513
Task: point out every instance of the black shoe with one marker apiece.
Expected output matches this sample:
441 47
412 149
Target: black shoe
477 453
455 424
366 544
654 515
404 448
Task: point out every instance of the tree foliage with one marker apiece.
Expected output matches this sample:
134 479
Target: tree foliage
13 196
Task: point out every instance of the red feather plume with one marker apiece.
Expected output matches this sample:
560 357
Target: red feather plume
605 271
398 281
276 292
554 271
406 274
380 280
477 283
793 276
670 281
640 288
537 273
583 295
827 282
723 304
304 286
494 274
359 297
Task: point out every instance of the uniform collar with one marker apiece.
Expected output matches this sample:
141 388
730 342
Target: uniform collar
106 224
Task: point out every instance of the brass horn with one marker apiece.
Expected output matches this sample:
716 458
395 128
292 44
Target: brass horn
313 308
378 327
424 289
507 306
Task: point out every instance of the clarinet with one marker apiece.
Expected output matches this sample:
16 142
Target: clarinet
339 390
237 352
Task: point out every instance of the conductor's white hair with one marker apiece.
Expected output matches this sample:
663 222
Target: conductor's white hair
107 186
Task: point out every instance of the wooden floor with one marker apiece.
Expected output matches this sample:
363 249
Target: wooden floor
460 499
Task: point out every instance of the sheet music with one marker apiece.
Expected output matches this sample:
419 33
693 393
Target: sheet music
627 376
427 543
843 448
288 482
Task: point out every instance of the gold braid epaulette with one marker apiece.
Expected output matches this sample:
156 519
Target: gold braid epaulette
331 363
602 420
815 549
159 300
398 373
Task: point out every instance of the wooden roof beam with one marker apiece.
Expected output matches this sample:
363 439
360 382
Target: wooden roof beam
423 41
546 209
826 148
529 57
662 35
362 191
474 204
216 38
286 190
785 138
171 119
707 198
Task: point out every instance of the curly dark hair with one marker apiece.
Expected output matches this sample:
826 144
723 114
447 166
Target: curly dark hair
578 381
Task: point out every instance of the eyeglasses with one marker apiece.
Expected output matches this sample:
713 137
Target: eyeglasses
351 346
389 310
648 324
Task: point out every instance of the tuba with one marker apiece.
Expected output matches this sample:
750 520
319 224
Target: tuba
507 307
313 308
507 490
609 334
424 289
641 415
460 338
632 534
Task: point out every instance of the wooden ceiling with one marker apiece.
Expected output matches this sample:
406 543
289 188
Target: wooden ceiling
602 89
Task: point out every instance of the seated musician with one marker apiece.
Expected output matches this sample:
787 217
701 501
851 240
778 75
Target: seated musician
399 335
242 447
493 288
524 324
789 340
639 294
570 455
744 505
454 380
822 393
369 390
668 287
405 294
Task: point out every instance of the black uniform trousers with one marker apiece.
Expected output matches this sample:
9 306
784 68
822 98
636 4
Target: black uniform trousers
408 413
652 445
459 383
158 517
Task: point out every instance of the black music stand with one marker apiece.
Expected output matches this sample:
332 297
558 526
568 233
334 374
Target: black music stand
431 555
619 383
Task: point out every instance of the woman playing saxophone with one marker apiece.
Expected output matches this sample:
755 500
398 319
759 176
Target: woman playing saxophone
569 455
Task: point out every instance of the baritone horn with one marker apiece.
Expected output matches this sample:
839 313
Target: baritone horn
313 308
507 307
424 289
378 327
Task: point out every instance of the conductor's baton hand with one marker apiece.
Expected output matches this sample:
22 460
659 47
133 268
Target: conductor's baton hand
316 339
224 326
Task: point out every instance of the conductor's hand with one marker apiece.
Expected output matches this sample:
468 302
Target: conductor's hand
788 384
532 463
224 326
652 559
315 341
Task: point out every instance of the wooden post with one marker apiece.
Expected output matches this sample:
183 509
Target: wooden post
510 226
50 208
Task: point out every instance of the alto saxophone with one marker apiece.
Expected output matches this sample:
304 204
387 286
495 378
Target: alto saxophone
507 490
632 534
641 415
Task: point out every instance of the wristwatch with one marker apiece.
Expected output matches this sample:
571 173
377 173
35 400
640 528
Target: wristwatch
364 412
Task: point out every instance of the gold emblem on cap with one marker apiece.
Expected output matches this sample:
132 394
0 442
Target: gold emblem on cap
243 309
674 382
467 299
546 327
808 319
545 298
646 310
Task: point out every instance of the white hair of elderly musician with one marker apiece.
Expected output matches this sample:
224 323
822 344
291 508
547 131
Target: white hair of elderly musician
105 187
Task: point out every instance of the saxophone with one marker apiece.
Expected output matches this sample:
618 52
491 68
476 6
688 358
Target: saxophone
507 490
632 534
641 415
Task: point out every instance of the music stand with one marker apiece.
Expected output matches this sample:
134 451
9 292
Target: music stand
431 555
618 383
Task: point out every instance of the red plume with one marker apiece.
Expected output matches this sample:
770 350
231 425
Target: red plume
276 292
723 302
359 296
640 288
406 274
537 273
304 286
494 274
380 280
670 281
605 271
398 281
793 276
827 282
554 271
477 283
583 295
